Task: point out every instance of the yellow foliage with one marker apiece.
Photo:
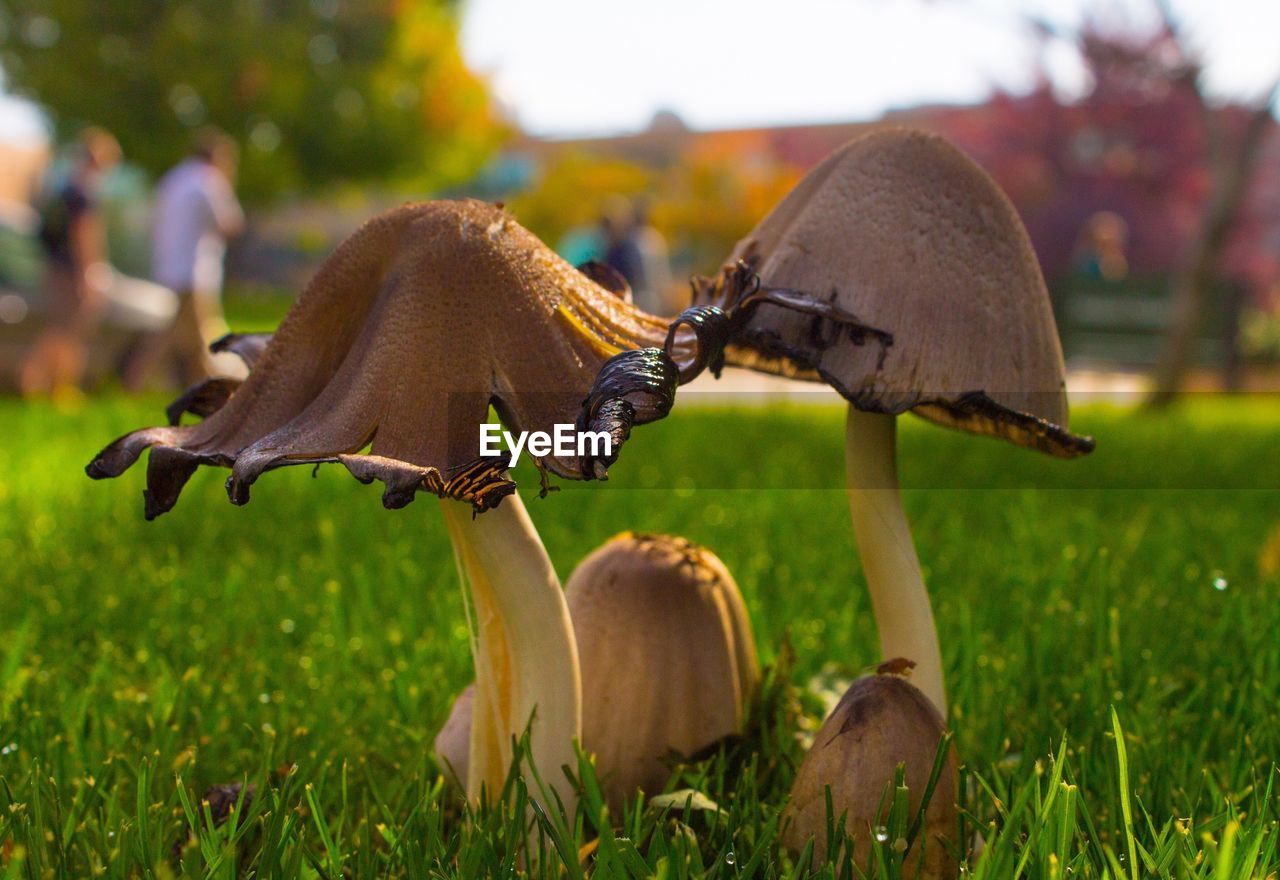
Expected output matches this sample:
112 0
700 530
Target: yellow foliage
703 203
573 191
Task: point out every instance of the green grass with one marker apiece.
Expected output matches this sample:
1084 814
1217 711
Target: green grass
1110 627
256 309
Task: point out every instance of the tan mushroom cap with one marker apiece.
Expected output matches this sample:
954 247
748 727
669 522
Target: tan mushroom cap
667 656
406 335
906 233
882 721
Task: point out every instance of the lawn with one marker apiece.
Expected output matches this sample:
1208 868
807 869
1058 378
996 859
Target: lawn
311 642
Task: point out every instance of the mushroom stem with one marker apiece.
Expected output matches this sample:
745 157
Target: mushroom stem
898 595
526 658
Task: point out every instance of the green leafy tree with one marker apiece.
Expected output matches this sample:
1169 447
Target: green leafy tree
315 90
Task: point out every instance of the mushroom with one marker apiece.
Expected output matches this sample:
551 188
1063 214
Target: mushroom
934 303
667 657
882 721
407 334
668 660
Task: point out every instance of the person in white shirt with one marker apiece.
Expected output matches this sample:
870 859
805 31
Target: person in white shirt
196 211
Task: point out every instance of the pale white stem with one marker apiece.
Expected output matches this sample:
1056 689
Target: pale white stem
898 595
525 655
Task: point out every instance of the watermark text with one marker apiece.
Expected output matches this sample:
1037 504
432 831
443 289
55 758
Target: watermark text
564 441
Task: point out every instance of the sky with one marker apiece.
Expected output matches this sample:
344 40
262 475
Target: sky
567 67
572 67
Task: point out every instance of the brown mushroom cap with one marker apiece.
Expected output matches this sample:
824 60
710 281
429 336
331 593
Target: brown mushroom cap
881 721
406 335
667 657
905 232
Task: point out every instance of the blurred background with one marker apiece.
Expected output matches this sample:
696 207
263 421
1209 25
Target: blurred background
1136 138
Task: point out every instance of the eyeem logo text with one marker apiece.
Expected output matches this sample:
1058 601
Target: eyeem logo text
564 441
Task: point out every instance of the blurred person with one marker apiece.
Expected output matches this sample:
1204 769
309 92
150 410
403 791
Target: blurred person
1100 251
655 263
196 211
621 252
581 244
73 237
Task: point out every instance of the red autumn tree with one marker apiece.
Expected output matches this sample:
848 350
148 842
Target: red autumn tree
1145 142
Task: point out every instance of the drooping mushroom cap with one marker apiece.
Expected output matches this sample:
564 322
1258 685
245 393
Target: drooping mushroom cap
667 656
406 335
905 232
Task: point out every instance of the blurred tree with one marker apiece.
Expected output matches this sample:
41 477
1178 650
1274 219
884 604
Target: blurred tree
1232 158
573 188
721 189
702 203
315 90
1146 144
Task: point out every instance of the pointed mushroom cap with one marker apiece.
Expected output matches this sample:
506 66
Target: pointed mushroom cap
905 232
406 335
881 721
667 656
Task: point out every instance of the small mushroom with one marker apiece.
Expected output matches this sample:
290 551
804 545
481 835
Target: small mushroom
667 657
880 722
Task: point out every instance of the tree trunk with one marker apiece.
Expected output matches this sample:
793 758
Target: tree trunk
1192 281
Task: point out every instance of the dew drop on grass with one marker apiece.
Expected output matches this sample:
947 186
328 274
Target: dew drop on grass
1219 581
730 858
9 749
264 698
882 833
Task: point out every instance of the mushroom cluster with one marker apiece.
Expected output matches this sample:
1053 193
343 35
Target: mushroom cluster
922 293
896 272
667 657
387 364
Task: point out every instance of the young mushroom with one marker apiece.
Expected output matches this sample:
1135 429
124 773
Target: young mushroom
409 332
881 722
934 303
667 657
